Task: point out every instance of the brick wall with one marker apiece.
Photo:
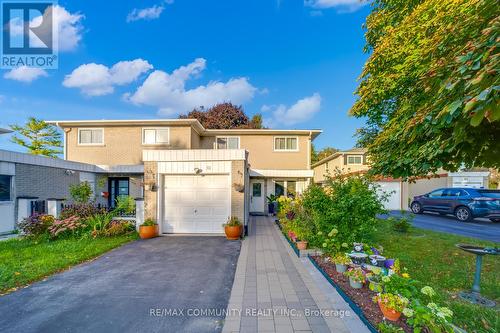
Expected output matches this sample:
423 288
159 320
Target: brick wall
150 197
44 182
238 198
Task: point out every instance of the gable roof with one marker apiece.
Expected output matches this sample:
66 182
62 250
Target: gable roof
340 153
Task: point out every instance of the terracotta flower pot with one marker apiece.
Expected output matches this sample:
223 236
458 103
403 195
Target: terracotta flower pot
301 245
389 314
233 232
148 231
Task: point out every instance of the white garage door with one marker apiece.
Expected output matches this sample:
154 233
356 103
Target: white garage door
196 204
393 189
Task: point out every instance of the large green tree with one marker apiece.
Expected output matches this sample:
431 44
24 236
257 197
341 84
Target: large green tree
317 156
224 116
38 137
430 88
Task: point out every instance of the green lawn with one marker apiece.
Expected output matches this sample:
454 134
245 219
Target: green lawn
23 261
433 259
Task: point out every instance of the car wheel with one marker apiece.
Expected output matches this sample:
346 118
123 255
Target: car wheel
495 220
416 208
463 214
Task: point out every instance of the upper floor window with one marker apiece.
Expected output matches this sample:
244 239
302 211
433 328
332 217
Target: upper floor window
227 142
90 136
155 136
286 143
354 159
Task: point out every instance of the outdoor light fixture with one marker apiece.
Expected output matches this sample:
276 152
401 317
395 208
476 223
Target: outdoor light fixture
69 172
197 171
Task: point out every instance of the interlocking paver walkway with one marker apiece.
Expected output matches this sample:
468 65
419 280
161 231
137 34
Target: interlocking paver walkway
275 291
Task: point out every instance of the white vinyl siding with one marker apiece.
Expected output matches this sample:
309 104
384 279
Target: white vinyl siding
228 142
286 143
90 136
155 136
354 160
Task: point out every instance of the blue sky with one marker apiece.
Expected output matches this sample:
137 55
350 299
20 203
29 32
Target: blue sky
296 63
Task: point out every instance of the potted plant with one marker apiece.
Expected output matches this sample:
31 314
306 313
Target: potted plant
148 229
391 305
272 203
356 277
232 228
375 281
301 244
341 261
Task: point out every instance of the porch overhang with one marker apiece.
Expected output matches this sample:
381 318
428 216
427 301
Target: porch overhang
270 173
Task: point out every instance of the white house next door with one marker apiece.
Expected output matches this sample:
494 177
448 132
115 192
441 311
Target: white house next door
257 198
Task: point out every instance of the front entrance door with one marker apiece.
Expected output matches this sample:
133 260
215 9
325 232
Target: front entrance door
257 196
118 186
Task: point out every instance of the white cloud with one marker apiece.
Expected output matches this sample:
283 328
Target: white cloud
25 74
97 80
344 5
69 28
303 110
150 13
168 93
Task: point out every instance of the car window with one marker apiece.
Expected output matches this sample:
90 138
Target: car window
436 194
452 192
490 193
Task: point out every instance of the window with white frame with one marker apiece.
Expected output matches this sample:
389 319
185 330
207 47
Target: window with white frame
90 136
286 143
155 136
354 159
227 142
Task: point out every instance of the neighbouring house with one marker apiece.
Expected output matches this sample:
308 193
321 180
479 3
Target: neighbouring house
400 193
192 179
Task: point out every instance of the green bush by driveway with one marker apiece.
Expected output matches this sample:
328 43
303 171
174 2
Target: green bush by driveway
26 260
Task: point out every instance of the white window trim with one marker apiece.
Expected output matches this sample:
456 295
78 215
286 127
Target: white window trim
227 136
361 156
285 150
89 129
156 128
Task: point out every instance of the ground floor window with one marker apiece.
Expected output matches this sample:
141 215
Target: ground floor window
285 187
5 187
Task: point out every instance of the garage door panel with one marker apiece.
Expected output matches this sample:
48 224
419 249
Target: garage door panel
393 191
195 204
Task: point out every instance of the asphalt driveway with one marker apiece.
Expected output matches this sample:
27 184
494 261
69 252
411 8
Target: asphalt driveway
478 228
144 286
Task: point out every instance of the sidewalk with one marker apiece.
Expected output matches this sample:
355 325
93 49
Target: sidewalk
275 291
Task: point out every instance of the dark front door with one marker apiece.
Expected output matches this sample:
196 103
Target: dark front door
118 186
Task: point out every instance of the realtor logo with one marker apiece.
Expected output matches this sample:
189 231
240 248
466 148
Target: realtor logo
28 35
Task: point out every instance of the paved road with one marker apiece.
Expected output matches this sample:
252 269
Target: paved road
116 292
478 228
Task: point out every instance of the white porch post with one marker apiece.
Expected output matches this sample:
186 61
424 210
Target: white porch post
54 207
139 212
24 207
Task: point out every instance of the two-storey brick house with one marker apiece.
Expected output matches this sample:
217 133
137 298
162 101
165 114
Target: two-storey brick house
192 179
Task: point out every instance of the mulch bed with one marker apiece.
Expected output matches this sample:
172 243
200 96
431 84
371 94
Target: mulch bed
362 297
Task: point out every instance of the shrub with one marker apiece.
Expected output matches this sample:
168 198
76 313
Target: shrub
80 193
82 210
35 225
403 223
348 205
118 227
98 223
125 205
71 226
